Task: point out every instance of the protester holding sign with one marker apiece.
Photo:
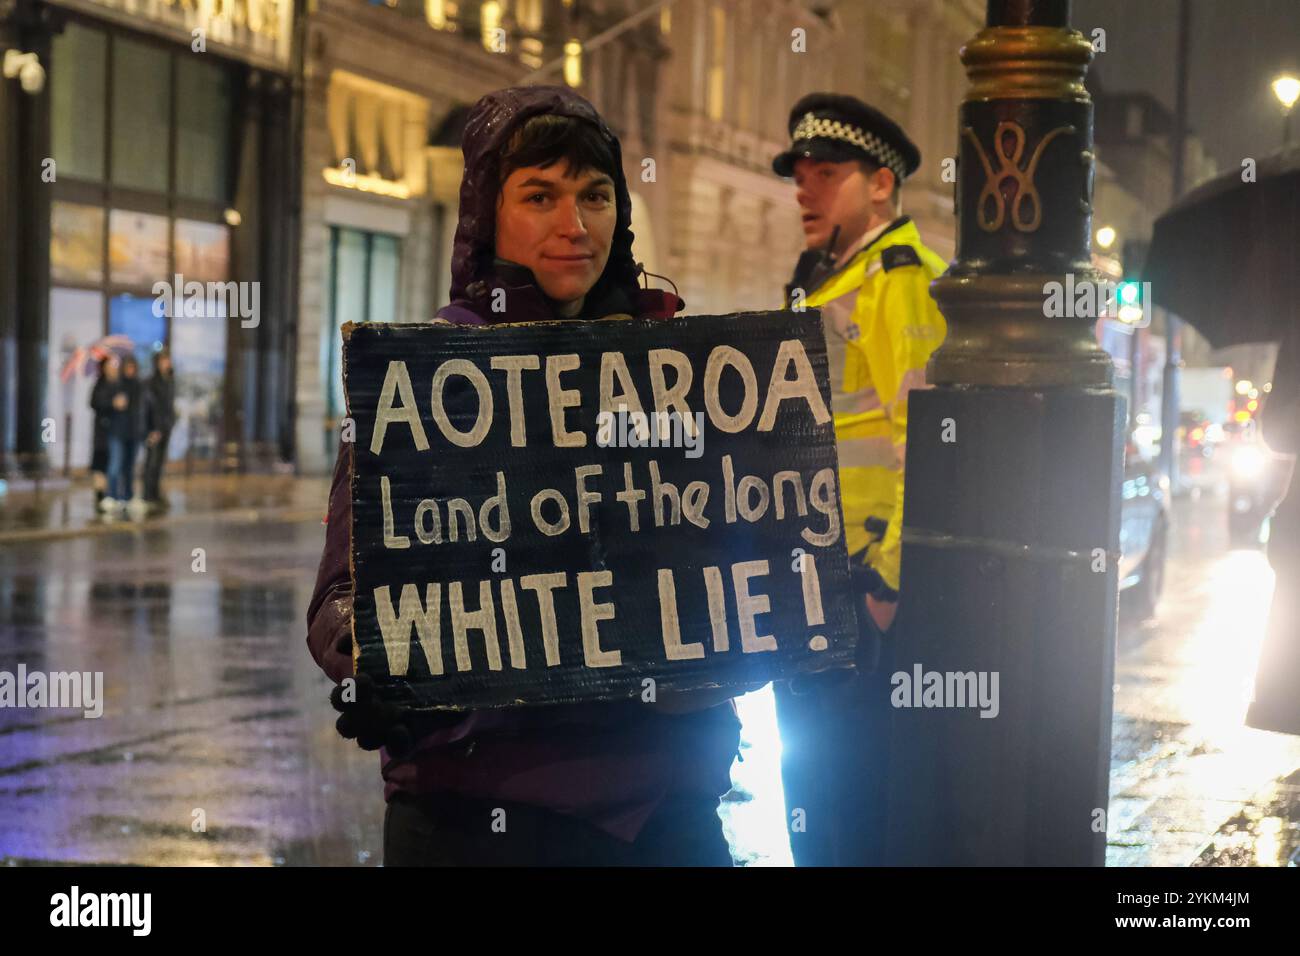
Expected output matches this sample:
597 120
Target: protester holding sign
544 234
594 510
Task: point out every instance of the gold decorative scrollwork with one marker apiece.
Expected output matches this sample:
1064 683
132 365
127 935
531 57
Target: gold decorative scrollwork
1009 168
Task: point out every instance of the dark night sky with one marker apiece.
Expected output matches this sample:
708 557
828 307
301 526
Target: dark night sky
1237 48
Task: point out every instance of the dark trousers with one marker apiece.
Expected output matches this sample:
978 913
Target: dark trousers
154 459
441 830
121 467
835 763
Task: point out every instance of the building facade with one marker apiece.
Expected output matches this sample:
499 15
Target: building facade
728 226
318 157
1134 185
146 193
386 87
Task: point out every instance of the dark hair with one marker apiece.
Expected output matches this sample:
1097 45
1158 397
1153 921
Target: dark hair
870 167
547 138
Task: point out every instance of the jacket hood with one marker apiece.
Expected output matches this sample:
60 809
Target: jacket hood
488 129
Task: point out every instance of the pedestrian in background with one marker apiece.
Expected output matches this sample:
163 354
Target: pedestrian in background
159 417
120 403
108 373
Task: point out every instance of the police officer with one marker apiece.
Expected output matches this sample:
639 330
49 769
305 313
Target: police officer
867 270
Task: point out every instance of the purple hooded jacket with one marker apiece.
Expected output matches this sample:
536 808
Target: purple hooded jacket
611 764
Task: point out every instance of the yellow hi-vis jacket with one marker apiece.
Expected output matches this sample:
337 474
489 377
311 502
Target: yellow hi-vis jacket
881 326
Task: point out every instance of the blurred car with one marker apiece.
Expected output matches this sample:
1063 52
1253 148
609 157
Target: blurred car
1192 428
1257 481
1143 533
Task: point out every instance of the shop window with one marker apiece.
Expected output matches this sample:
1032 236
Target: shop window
134 316
363 284
128 111
76 323
76 243
202 251
198 347
137 249
141 114
77 79
384 253
203 120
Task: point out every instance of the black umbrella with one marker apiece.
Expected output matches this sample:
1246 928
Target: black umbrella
1226 258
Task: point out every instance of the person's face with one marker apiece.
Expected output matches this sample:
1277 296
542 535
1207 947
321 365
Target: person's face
129 368
559 226
112 369
165 364
838 194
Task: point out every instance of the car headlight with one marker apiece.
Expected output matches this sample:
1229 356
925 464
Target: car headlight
1248 462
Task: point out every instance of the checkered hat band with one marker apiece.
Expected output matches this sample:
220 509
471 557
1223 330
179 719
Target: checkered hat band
816 127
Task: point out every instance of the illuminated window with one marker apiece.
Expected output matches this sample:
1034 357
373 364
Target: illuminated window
376 138
573 63
530 52
492 33
528 14
441 14
717 64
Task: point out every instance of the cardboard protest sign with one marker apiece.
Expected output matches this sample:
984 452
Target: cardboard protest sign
594 510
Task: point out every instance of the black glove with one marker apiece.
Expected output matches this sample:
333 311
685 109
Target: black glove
368 719
866 580
371 721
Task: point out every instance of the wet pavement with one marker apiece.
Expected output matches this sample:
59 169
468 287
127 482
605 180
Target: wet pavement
217 743
1190 783
68 510
212 703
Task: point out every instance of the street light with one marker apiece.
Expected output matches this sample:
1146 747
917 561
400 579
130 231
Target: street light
1105 237
1287 90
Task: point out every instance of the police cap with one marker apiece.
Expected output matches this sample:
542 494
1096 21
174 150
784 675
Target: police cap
838 128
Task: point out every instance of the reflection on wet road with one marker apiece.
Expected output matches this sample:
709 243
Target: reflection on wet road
214 712
1190 783
217 743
